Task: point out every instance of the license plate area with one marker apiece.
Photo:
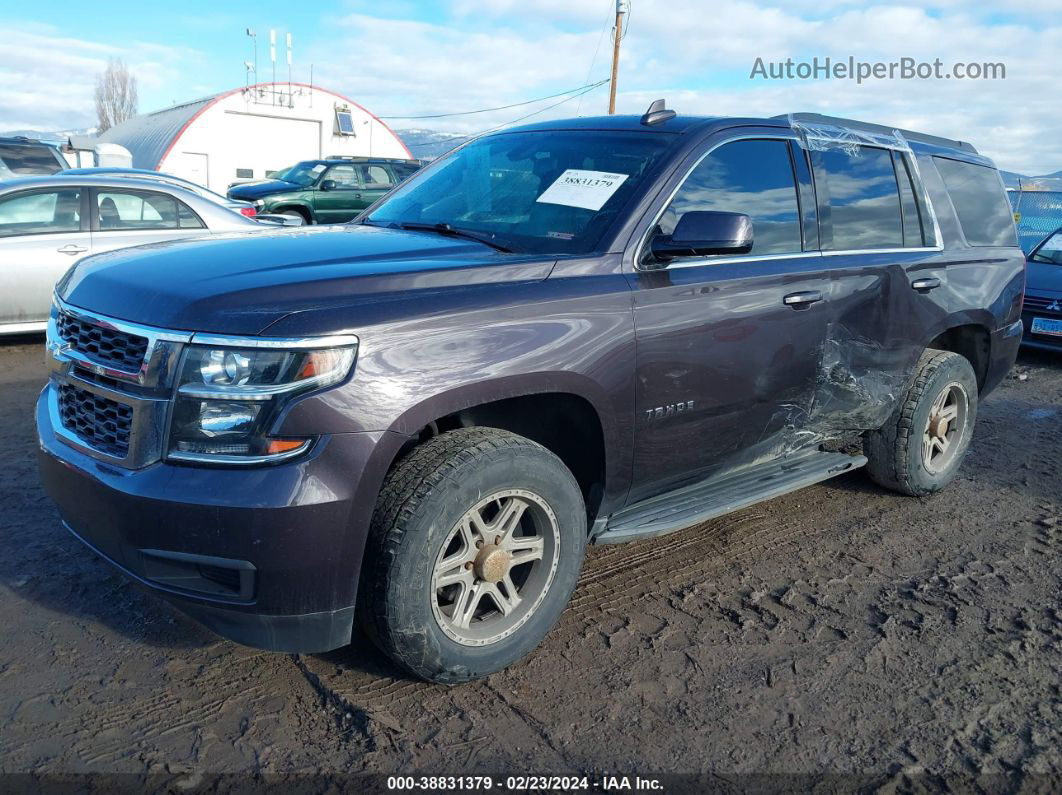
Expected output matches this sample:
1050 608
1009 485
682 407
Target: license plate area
1044 325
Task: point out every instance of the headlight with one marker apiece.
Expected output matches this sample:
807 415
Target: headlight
229 397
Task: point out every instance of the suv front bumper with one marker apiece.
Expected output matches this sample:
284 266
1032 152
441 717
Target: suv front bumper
266 556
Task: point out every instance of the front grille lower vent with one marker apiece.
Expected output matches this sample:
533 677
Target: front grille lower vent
100 422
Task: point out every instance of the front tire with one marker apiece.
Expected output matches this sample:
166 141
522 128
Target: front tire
476 544
306 219
920 449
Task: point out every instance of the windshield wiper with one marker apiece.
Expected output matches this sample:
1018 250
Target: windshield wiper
447 229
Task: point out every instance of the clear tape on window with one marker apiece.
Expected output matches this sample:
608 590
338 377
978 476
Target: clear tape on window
820 137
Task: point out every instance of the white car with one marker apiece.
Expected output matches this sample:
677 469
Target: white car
49 223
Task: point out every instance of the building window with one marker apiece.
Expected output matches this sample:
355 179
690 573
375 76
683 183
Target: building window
245 173
345 122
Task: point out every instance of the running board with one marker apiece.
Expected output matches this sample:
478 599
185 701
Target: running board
723 494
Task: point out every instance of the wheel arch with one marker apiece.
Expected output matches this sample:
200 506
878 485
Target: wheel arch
972 341
564 412
303 209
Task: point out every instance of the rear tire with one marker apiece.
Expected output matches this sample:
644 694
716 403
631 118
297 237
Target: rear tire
476 544
920 449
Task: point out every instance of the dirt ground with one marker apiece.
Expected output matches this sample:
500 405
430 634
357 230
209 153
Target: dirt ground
838 631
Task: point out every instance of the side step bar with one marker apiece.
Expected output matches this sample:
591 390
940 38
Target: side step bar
723 494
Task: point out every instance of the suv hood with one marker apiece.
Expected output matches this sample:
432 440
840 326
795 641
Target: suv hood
242 283
248 191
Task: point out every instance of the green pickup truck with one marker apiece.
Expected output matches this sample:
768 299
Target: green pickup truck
325 191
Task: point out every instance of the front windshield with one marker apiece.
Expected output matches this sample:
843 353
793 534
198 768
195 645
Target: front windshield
1050 251
548 192
301 174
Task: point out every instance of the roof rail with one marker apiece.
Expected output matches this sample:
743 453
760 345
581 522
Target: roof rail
366 159
936 140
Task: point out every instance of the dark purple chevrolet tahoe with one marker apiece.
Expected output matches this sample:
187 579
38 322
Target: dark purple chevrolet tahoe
584 331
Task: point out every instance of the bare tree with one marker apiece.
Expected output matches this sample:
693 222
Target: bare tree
116 98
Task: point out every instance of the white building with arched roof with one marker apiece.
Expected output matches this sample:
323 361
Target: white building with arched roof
249 132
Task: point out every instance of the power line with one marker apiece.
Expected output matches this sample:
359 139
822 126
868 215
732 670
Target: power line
588 87
585 89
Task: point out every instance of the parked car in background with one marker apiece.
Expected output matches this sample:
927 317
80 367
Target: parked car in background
22 157
1042 311
241 207
327 191
48 223
588 330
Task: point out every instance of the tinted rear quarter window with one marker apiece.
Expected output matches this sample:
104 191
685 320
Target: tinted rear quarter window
864 198
976 192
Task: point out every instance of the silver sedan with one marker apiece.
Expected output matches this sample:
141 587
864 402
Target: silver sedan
48 223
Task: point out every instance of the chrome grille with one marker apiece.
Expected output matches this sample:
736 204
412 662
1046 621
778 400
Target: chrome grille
104 345
100 422
1041 304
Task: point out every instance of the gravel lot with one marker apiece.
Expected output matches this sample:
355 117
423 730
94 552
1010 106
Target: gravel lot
838 630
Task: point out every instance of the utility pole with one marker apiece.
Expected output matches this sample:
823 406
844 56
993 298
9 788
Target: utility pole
621 9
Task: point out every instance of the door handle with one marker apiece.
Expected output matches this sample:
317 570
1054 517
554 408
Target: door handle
357 195
804 299
70 248
930 283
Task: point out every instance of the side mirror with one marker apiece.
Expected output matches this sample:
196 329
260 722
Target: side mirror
700 233
327 184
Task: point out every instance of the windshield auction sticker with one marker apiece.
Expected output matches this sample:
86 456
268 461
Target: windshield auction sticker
587 189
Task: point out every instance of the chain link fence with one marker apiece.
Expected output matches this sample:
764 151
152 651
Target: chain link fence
1038 213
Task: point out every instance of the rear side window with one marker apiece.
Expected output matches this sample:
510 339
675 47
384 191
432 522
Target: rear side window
41 213
344 177
864 198
135 210
977 194
750 177
375 177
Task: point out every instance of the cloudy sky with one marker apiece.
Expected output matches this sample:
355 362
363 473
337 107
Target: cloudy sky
404 58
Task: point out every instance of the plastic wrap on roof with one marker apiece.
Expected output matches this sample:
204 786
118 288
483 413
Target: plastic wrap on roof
819 137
